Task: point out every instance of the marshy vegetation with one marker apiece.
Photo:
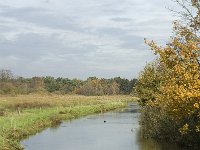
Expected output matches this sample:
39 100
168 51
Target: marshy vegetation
28 105
169 92
25 115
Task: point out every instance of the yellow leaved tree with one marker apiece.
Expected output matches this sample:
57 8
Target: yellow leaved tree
169 89
174 111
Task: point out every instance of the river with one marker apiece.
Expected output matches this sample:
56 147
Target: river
116 130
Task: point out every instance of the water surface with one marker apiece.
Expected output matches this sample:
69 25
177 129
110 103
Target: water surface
117 130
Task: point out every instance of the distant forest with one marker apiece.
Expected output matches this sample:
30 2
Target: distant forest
11 85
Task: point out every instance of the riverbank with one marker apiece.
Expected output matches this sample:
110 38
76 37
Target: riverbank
23 116
92 133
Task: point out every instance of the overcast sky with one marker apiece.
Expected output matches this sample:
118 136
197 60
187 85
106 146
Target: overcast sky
80 38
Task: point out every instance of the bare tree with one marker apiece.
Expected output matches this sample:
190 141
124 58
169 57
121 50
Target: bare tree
5 75
190 13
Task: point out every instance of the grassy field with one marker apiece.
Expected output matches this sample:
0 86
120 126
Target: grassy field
23 116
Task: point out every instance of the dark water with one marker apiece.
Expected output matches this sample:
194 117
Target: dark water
119 132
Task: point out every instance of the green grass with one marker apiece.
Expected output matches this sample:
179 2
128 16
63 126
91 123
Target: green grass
23 116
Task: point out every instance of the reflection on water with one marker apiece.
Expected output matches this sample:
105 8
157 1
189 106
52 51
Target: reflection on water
118 130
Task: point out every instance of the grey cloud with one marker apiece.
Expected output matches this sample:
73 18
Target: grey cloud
32 46
116 32
131 41
128 41
78 38
42 17
119 19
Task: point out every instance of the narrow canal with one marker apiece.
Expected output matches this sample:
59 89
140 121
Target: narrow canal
116 130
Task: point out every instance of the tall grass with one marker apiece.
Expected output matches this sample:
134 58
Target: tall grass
22 116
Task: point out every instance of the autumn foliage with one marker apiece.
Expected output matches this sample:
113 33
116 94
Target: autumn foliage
172 89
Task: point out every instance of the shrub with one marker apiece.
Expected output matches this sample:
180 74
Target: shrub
172 105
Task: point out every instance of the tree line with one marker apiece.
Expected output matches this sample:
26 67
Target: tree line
9 84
